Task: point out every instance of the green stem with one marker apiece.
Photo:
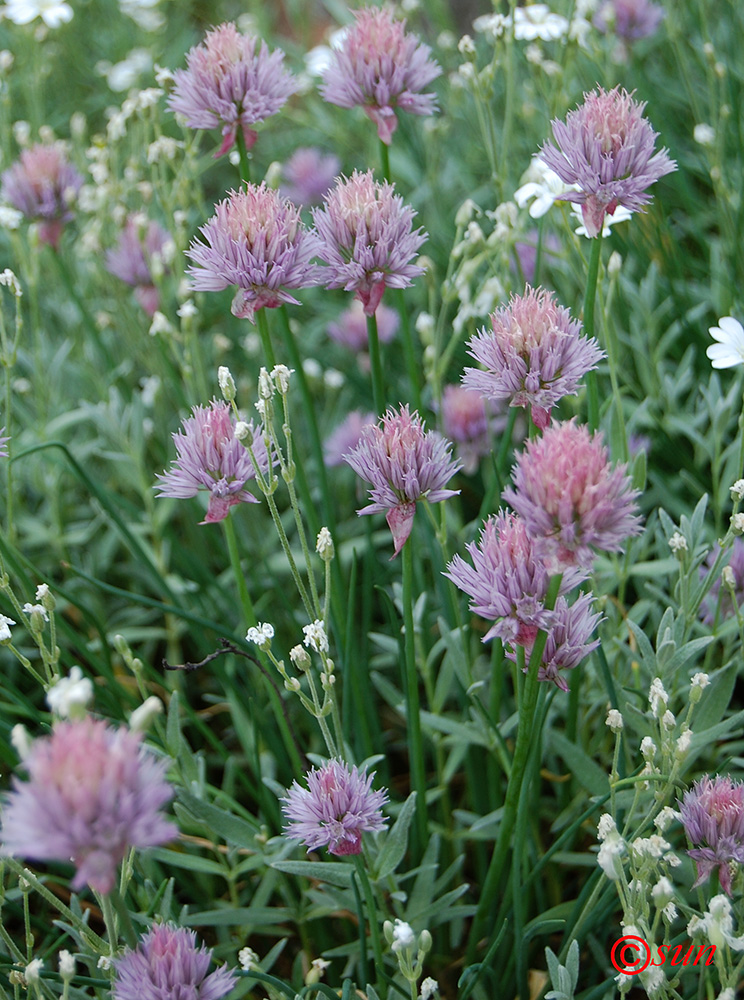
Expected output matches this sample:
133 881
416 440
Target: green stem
9 467
374 926
592 389
415 744
385 160
245 166
378 393
739 471
525 737
263 329
232 547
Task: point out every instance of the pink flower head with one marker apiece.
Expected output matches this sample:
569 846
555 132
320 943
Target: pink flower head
568 641
351 327
308 175
335 809
346 436
606 148
469 421
570 498
367 238
231 81
629 19
508 581
534 354
93 792
139 244
211 457
712 814
404 463
379 67
44 186
710 606
256 241
167 964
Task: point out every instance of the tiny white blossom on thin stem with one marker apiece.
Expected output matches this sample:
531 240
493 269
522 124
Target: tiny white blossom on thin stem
666 817
226 383
403 936
71 695
737 490
32 972
5 622
678 542
52 12
66 964
648 748
315 636
324 545
658 699
261 635
39 609
248 959
729 351
614 720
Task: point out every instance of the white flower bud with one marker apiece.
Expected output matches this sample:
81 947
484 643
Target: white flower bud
300 657
244 433
280 376
227 383
265 385
316 637
614 720
32 972
737 524
662 893
142 717
261 635
728 578
678 543
737 490
324 545
648 748
403 936
66 964
71 695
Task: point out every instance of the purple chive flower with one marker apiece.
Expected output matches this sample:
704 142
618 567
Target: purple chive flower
712 814
168 964
570 498
568 641
606 148
211 457
93 792
508 581
367 238
468 421
710 607
141 244
335 809
231 81
379 67
44 186
629 19
346 436
534 354
351 327
404 463
308 175
256 241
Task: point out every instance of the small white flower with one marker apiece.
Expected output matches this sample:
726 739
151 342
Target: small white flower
429 989
737 524
315 636
243 432
737 490
300 657
226 383
668 721
648 748
280 376
160 324
650 847
21 740
188 310
538 21
683 742
42 591
71 695
492 26
658 699
261 635
678 542
612 847
324 545
5 622
704 135
614 720
321 964
662 893
66 964
729 351
621 214
248 959
10 218
141 718
333 379
265 385
38 609
727 994
469 209
52 12
403 936
700 680
719 924
104 963
666 816
605 826
10 281
728 578
32 972
542 186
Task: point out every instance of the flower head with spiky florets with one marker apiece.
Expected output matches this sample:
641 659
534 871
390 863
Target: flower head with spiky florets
380 67
508 581
367 238
211 457
231 80
43 185
308 175
404 463
139 244
568 641
712 813
93 792
534 354
629 19
335 809
606 148
571 499
168 964
255 240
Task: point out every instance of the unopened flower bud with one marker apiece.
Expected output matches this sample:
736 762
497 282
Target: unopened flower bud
614 264
292 684
699 683
244 433
728 578
280 376
300 657
737 524
737 490
265 385
143 717
678 543
66 965
614 720
324 545
227 383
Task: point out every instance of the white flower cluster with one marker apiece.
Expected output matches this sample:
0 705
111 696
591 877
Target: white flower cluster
261 635
316 637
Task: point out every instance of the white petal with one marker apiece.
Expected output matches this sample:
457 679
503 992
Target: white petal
732 327
721 356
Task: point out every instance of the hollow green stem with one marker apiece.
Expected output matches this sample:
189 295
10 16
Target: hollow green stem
385 161
592 389
525 736
232 547
245 166
109 919
374 925
413 711
378 393
263 330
